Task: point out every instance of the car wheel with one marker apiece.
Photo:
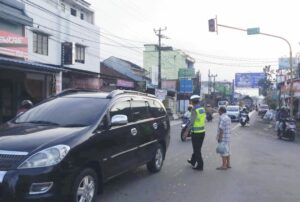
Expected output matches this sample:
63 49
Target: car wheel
86 186
182 136
157 161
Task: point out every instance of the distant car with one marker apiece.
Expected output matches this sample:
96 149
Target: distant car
222 103
262 109
233 111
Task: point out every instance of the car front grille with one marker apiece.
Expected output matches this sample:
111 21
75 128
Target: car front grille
7 161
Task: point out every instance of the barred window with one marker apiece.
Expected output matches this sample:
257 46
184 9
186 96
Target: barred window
80 54
40 43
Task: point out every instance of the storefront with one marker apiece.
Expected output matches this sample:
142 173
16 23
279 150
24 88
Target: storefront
20 80
80 79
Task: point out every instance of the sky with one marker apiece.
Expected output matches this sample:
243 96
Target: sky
126 25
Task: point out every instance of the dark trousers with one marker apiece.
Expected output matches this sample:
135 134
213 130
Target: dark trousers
197 141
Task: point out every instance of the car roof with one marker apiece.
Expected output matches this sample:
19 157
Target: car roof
233 106
77 93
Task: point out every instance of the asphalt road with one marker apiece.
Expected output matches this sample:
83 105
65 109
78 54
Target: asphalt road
264 169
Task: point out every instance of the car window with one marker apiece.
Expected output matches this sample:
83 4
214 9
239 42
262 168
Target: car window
156 109
68 112
140 110
121 108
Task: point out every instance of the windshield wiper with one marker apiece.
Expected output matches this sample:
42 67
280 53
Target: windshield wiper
74 125
44 123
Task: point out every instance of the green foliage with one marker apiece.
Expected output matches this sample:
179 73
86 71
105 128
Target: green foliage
266 84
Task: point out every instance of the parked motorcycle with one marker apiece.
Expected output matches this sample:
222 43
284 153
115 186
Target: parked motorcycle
209 117
289 131
243 119
185 132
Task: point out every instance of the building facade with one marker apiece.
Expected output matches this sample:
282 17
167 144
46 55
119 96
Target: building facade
117 73
64 35
171 61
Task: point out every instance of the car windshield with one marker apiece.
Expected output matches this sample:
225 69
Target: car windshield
232 109
66 112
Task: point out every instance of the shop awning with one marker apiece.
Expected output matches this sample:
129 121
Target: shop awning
22 64
13 11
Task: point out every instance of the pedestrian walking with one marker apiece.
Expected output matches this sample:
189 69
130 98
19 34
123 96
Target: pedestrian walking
223 138
197 132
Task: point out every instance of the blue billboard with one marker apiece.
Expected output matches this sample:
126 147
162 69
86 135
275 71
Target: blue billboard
248 80
185 86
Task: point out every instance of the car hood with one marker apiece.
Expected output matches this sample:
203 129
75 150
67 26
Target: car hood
31 137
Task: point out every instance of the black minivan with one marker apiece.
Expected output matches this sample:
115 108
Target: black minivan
67 147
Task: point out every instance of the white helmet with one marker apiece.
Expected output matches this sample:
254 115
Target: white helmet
195 97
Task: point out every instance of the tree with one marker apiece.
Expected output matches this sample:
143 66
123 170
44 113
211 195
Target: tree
266 84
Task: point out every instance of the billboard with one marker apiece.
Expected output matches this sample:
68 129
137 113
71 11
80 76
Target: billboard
186 73
13 45
185 86
248 80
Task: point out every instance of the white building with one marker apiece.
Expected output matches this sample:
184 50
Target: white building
64 35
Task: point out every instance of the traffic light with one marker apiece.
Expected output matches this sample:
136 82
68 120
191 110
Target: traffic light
212 25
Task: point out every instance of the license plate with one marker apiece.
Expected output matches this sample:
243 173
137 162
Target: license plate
2 174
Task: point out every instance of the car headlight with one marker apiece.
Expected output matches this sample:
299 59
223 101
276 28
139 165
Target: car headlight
47 157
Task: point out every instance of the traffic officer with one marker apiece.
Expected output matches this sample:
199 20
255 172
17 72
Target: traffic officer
198 132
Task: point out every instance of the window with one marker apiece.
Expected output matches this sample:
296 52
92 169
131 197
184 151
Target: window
80 54
40 43
140 110
73 12
81 16
121 108
156 109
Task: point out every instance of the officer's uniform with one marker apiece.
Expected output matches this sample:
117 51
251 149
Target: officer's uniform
198 134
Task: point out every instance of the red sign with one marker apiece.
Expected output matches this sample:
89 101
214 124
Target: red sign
13 45
124 83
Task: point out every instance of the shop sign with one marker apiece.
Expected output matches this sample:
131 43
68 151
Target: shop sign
13 45
186 73
161 94
169 84
124 83
185 86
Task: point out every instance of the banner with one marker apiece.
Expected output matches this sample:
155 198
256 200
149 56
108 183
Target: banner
248 80
13 45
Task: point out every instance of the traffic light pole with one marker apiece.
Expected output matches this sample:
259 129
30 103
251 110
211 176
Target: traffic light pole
290 54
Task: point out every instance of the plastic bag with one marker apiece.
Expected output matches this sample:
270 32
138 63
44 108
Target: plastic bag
221 148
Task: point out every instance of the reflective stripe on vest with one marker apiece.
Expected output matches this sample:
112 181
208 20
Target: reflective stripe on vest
199 124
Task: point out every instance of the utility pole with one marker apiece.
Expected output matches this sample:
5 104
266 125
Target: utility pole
209 81
160 36
214 83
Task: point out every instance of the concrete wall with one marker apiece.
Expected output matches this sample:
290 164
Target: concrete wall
49 17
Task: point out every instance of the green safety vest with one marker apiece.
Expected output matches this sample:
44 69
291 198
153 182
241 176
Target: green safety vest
199 124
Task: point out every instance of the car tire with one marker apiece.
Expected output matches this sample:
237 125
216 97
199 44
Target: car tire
182 137
157 161
85 186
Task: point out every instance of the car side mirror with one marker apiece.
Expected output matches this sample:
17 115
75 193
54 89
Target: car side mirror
119 120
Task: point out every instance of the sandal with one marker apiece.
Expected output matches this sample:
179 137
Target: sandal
229 167
221 168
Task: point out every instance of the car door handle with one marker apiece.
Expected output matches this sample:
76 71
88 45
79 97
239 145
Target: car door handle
133 131
155 126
